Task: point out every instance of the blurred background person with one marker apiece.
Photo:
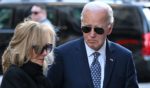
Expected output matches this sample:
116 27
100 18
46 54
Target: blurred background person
39 14
23 60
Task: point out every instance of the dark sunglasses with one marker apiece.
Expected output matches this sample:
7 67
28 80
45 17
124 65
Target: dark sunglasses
47 47
87 29
35 13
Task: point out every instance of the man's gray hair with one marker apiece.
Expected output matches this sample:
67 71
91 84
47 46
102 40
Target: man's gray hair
99 5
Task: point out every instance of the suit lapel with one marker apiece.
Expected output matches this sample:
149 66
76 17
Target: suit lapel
83 63
84 66
110 61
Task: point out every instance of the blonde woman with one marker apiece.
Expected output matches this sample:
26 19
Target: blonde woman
23 60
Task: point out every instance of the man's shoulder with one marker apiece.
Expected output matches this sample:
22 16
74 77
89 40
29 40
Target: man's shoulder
118 47
71 43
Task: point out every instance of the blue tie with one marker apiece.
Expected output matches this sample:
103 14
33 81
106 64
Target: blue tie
96 71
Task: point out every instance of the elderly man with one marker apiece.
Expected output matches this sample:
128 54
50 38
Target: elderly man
93 61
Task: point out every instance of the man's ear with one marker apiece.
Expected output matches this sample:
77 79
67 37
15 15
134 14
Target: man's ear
110 28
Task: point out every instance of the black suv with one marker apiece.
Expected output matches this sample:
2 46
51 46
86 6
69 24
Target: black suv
131 28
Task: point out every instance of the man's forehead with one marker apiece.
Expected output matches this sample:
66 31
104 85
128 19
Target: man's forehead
36 8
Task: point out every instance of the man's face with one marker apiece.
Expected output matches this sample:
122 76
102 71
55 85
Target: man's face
37 13
95 21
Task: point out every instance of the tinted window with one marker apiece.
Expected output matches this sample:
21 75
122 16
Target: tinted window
147 13
52 15
127 17
5 18
128 26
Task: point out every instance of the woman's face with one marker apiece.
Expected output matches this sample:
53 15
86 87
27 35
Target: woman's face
38 58
39 51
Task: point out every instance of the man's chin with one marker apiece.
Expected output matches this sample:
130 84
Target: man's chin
91 43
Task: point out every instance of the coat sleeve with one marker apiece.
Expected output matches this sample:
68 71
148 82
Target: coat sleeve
13 79
55 72
131 75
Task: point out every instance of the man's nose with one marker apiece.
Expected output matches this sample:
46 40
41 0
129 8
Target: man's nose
92 33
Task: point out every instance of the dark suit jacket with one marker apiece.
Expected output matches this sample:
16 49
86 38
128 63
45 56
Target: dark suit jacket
71 68
27 76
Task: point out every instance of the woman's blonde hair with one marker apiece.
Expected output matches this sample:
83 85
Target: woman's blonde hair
26 35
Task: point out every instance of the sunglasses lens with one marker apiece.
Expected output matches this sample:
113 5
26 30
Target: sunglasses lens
86 29
36 49
35 13
47 47
99 30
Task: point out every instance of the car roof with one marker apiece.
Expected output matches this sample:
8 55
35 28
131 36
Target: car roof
68 4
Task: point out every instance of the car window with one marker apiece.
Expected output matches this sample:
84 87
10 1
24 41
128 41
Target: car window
65 18
77 13
147 13
5 18
52 15
127 17
128 26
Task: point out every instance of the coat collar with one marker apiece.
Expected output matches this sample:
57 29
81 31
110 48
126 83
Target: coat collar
110 61
83 63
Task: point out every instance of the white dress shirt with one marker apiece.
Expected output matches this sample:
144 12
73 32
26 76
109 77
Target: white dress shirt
101 58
